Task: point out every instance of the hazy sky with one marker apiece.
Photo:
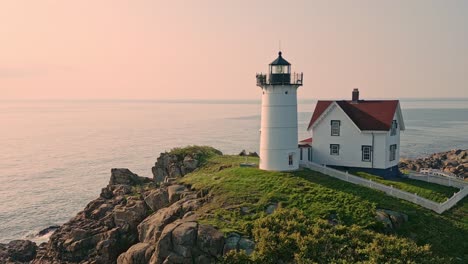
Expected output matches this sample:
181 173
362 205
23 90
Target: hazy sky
148 49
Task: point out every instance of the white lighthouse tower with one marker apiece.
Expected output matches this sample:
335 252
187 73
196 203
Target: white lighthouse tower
278 134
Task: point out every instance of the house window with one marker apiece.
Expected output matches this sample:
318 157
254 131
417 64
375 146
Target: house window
335 127
290 159
393 149
334 149
367 153
394 127
309 154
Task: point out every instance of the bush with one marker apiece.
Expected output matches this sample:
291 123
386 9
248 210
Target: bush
200 153
233 257
289 236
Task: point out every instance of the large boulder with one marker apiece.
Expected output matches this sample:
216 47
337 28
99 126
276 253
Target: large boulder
17 251
210 240
180 161
167 165
184 238
137 254
157 199
185 241
126 177
190 164
390 219
232 243
130 214
150 229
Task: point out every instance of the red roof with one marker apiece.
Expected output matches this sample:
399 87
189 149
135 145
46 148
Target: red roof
367 115
319 109
305 141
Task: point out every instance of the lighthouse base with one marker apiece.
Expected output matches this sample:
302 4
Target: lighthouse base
279 160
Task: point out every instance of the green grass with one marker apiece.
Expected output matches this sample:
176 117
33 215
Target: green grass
319 196
435 192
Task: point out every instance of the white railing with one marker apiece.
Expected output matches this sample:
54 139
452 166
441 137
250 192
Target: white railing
410 197
438 179
453 200
437 172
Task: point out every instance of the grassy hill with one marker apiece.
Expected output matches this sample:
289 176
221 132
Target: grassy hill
240 197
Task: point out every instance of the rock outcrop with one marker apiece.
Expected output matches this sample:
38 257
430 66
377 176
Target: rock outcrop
105 228
390 219
179 162
136 220
453 161
18 251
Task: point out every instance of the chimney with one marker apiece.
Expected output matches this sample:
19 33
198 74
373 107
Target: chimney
356 95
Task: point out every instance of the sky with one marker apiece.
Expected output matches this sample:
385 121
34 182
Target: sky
165 50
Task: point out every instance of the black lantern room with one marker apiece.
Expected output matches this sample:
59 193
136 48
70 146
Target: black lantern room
280 74
280 71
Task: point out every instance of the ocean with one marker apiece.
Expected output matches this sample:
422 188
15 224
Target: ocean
56 155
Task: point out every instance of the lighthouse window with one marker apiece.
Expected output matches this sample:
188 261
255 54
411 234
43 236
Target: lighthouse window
286 92
335 127
290 159
335 149
279 69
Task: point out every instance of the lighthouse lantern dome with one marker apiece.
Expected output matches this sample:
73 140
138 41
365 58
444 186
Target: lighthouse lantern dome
280 65
280 71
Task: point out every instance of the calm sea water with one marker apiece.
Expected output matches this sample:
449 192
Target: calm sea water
55 156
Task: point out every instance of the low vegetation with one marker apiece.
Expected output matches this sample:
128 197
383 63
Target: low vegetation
339 210
289 236
431 191
200 153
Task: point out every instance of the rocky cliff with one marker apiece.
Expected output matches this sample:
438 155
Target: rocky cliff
135 220
453 161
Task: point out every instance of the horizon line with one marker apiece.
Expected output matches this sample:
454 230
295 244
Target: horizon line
223 99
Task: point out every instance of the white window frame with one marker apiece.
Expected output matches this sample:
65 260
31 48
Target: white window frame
366 151
335 128
393 129
291 159
393 149
335 149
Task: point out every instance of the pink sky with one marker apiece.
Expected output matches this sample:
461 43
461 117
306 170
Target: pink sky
212 49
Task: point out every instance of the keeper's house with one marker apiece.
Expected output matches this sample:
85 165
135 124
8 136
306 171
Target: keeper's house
356 134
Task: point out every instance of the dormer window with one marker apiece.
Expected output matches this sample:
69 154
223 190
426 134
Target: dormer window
335 127
393 129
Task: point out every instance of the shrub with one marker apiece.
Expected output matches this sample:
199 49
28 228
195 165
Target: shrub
289 236
200 153
233 257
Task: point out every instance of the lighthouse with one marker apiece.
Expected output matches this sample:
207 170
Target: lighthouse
278 133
